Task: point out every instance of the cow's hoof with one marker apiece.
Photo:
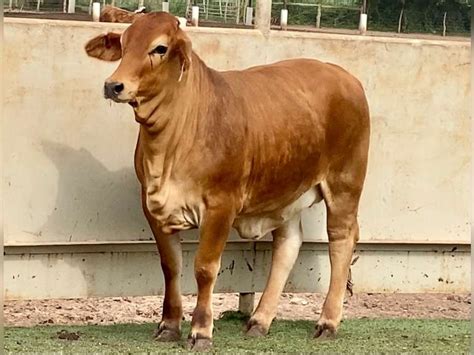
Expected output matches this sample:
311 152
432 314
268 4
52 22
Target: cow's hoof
324 331
199 344
166 335
255 330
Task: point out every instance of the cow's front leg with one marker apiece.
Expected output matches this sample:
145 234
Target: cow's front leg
169 247
171 258
214 233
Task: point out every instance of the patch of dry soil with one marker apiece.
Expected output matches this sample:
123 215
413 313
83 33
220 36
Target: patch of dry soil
292 306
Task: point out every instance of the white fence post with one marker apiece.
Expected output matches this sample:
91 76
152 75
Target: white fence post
165 6
363 24
237 17
195 16
249 16
284 19
182 22
263 15
95 11
71 6
318 17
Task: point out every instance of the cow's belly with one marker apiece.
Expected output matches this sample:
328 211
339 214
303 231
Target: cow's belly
256 226
175 209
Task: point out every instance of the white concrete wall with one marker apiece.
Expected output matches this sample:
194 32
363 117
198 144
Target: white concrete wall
134 270
63 182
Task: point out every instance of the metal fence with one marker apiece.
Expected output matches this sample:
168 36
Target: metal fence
403 16
177 7
35 5
228 11
440 17
322 13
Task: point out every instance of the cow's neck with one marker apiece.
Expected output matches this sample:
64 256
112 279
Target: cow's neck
176 100
174 114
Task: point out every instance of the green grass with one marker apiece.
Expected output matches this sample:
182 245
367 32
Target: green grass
355 336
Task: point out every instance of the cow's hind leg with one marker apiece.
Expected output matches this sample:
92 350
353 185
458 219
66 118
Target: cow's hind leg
341 193
286 244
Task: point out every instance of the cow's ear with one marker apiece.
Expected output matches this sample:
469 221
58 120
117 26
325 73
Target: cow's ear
105 47
183 48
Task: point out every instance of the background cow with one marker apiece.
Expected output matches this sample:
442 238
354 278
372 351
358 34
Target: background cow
114 14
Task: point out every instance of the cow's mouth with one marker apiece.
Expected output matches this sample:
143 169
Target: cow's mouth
133 102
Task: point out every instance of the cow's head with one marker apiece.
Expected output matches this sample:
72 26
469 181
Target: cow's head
154 54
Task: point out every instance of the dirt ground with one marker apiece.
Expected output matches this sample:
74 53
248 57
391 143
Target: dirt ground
292 306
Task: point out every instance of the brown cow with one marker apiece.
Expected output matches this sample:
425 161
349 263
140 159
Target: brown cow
114 14
246 149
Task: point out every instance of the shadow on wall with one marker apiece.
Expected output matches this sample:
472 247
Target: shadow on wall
93 203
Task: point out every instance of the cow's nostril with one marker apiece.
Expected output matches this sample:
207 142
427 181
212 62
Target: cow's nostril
112 89
118 88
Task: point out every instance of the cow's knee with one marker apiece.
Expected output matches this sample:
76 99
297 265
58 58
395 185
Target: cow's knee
204 274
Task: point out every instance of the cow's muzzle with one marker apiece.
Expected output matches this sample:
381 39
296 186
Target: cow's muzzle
112 90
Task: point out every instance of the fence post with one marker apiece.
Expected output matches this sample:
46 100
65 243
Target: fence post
246 302
363 24
249 16
238 14
165 6
263 14
318 17
195 16
71 6
95 11
284 19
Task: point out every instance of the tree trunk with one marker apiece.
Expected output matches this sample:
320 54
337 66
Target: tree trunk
400 21
444 23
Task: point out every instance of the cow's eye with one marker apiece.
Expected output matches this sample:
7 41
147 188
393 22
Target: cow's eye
161 50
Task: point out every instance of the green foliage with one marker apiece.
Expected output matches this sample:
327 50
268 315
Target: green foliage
418 16
421 16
